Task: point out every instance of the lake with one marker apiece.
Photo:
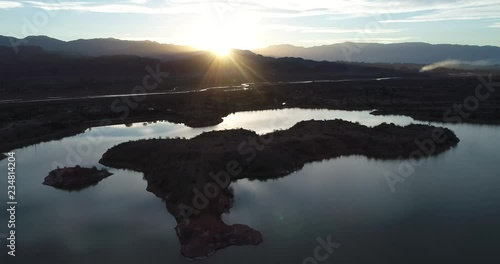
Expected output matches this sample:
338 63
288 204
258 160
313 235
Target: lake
447 211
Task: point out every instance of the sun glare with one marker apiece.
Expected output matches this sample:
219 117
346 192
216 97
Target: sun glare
219 42
221 37
221 51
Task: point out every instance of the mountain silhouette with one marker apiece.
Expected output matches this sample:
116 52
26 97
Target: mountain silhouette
100 47
420 53
417 53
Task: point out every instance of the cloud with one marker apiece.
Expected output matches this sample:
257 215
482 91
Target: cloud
142 2
9 4
401 11
342 9
495 25
328 30
472 10
388 11
130 7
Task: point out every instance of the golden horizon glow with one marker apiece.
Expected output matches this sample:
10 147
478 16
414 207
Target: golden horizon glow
218 41
222 52
223 35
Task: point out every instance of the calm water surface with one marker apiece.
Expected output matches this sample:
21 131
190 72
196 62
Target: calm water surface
448 211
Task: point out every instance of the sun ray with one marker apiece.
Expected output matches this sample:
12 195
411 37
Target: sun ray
222 51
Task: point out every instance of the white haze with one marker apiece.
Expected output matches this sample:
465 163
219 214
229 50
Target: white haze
456 64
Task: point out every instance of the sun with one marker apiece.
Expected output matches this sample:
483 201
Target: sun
221 51
222 36
218 42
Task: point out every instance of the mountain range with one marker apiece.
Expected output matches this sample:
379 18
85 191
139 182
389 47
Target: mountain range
100 47
416 53
419 53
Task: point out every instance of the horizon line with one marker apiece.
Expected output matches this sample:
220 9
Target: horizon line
257 48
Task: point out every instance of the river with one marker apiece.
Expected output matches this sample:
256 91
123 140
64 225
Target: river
447 211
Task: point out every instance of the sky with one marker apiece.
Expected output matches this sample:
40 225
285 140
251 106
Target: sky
251 24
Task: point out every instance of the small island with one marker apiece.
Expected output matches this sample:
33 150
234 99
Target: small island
76 178
193 175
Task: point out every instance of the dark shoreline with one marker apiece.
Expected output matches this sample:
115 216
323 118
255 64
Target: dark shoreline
289 150
422 99
177 169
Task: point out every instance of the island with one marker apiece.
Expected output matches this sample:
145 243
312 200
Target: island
193 176
76 178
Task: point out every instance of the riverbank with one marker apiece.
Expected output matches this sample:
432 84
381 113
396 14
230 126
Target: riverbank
432 99
279 153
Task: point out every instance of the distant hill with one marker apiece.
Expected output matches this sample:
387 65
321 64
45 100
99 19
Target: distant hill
33 62
419 53
101 47
243 66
